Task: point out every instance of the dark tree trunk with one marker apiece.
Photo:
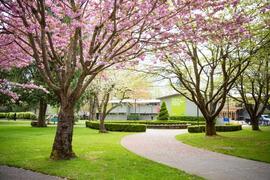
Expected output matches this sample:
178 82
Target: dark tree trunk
255 123
92 109
42 113
62 146
102 128
210 129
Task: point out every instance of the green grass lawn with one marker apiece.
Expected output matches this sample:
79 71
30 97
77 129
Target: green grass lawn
100 156
246 143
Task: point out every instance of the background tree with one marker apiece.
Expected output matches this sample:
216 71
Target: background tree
106 86
253 86
204 60
29 99
163 113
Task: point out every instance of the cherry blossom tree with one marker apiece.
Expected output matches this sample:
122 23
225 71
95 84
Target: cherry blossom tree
70 42
209 50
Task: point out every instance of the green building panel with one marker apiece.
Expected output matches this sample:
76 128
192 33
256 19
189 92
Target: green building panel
178 106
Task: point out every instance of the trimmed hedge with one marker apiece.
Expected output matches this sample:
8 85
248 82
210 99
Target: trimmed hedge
133 117
187 118
200 129
167 126
157 122
19 115
3 115
118 127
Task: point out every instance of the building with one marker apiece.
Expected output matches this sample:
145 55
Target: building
145 109
178 105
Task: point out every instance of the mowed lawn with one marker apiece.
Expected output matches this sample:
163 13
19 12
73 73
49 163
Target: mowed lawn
247 144
100 156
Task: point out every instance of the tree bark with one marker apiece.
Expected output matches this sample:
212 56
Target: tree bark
92 109
255 123
62 146
102 128
42 113
210 129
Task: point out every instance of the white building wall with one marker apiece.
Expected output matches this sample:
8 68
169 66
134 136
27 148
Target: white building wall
191 108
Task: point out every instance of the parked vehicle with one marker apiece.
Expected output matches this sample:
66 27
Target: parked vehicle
265 119
52 118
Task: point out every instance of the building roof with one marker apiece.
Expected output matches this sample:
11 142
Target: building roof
167 96
138 101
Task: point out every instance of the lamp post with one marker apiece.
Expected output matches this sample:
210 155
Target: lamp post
228 106
198 115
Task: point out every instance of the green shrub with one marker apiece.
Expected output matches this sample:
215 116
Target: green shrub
187 118
117 127
133 117
200 129
228 128
167 126
157 122
196 129
3 115
163 113
19 115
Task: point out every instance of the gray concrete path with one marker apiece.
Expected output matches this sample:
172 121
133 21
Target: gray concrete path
12 173
161 146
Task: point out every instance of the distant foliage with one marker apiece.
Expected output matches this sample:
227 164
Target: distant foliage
19 115
187 118
163 113
133 117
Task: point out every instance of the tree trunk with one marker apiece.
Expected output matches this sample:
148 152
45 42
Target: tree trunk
102 128
62 146
92 109
42 113
255 123
210 129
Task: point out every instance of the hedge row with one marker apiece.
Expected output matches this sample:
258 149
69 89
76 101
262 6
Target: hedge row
187 118
159 122
227 128
118 127
171 126
19 115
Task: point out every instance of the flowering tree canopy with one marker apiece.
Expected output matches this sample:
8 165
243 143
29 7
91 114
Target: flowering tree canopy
88 36
70 42
210 48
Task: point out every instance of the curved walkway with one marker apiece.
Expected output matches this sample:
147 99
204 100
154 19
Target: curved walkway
12 173
161 146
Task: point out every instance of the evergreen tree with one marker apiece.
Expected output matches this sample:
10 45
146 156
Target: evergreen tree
163 113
